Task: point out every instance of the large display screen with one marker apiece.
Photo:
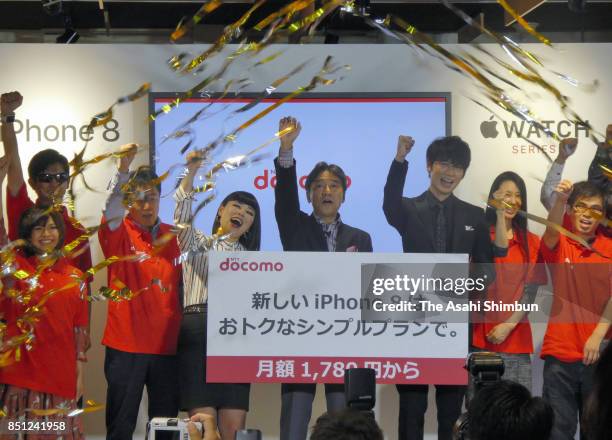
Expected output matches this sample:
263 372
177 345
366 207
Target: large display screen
357 132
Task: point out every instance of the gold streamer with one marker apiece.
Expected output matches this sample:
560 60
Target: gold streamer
607 171
90 406
323 10
104 117
206 9
287 10
497 204
520 20
327 68
228 33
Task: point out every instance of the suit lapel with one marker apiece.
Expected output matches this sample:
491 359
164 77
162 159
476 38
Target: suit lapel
424 215
459 224
319 234
341 239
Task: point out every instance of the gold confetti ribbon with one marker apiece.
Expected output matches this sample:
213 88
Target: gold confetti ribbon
607 171
520 20
206 9
228 33
105 116
324 10
328 68
287 10
90 406
500 204
272 87
80 165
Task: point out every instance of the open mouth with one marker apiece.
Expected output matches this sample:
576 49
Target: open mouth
447 181
46 242
586 223
236 222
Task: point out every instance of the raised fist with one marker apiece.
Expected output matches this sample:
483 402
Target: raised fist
194 160
564 189
567 147
404 145
289 138
127 153
9 102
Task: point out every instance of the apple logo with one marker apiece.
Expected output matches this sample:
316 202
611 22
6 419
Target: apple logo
489 128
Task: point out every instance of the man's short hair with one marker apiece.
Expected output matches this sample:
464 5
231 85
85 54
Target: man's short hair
347 424
449 149
41 160
585 189
506 410
141 177
322 167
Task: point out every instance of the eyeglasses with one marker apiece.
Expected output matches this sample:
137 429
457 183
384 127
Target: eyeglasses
49 177
580 208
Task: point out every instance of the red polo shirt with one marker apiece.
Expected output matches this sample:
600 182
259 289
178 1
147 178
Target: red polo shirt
16 206
512 273
149 322
582 288
50 366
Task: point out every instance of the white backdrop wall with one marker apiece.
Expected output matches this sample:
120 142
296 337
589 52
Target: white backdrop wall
64 86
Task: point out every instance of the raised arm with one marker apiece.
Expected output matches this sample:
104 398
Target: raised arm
9 102
114 209
394 188
188 237
555 215
501 233
4 166
567 147
287 202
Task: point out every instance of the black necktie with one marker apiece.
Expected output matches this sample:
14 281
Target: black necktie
440 234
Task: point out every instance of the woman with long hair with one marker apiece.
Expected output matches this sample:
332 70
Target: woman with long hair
518 276
238 221
47 375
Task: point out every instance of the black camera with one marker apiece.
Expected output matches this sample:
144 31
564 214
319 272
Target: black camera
360 388
486 368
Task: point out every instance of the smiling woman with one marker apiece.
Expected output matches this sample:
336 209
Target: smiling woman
40 379
237 227
44 232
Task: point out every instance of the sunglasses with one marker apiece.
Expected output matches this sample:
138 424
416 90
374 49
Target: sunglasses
49 177
596 213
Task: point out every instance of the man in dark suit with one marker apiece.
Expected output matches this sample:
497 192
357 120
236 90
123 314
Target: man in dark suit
436 222
321 231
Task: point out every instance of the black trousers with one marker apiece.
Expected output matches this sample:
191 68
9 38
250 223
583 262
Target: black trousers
413 405
126 376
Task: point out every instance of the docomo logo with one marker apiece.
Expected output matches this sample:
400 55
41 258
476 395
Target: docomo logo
268 178
235 265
